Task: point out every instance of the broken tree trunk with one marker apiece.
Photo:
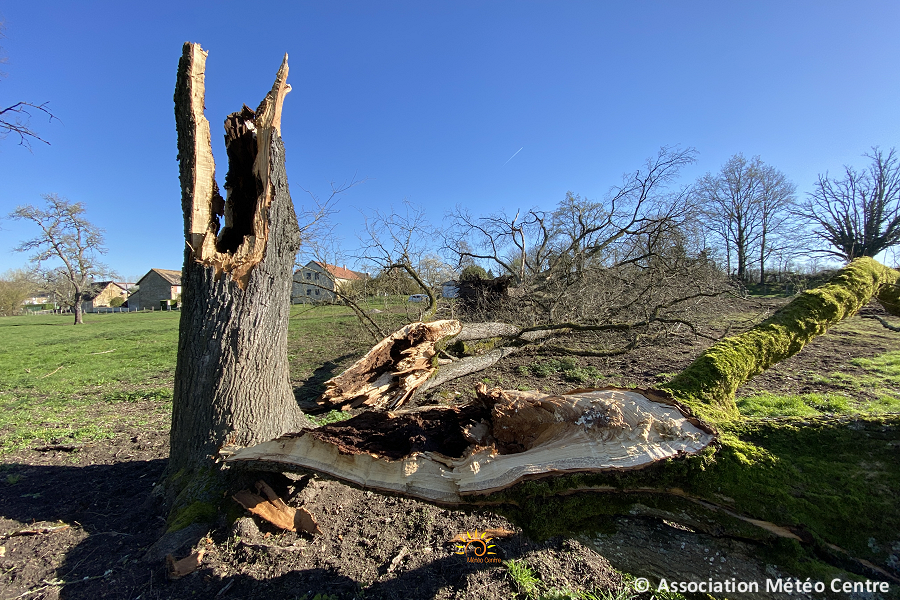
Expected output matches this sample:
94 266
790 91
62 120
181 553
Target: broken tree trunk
444 454
406 363
813 496
389 373
231 377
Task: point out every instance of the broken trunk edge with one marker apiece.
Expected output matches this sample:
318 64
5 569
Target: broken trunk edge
205 204
585 431
389 374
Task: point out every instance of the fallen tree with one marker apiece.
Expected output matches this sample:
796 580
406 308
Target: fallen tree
811 496
808 495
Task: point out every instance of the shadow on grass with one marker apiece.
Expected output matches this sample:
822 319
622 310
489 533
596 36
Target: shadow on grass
309 391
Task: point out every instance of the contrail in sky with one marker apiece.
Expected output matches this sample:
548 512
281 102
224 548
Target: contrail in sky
513 156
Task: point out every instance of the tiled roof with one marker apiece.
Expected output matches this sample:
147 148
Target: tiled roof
173 277
339 272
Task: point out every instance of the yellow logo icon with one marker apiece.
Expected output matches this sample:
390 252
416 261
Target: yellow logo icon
476 548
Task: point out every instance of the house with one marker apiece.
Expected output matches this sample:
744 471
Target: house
40 297
316 282
158 288
100 294
450 289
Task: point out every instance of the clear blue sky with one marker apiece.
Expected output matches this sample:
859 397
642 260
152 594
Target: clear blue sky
428 100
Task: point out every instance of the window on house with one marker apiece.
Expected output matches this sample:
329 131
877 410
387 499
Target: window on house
308 275
317 292
308 291
317 276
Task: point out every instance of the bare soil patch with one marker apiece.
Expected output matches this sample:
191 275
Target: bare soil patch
372 546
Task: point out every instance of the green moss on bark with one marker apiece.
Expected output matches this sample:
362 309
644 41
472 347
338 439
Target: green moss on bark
196 512
475 347
709 384
197 496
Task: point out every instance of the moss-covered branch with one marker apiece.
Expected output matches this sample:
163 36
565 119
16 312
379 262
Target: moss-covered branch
709 384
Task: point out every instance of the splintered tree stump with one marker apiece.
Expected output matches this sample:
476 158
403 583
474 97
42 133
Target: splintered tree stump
232 382
507 436
388 375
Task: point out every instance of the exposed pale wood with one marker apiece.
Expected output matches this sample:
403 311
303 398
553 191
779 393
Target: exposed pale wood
203 185
487 534
274 510
207 202
176 569
390 372
527 435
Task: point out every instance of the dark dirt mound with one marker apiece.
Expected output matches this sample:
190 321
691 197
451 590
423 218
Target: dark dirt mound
372 546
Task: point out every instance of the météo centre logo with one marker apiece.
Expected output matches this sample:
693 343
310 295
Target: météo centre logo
476 548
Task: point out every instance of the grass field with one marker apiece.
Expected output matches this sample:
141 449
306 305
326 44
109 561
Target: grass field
69 394
61 384
65 384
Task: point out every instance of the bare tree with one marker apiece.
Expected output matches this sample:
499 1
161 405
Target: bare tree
776 198
15 117
859 214
748 205
435 270
621 264
399 241
68 237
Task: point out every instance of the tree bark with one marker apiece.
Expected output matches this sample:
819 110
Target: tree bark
231 377
79 313
813 496
762 260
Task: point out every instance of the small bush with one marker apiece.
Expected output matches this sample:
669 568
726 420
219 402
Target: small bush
473 273
582 374
566 366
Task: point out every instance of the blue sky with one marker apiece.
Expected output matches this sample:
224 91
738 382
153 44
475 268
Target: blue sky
428 100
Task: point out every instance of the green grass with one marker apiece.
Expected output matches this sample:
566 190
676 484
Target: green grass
567 367
335 416
321 334
880 380
61 384
523 577
529 585
805 405
46 356
66 384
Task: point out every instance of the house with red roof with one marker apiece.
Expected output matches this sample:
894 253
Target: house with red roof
317 282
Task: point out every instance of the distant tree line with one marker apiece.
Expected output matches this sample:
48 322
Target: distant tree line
643 254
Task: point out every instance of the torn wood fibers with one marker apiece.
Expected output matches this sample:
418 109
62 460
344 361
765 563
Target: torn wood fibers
442 454
239 244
